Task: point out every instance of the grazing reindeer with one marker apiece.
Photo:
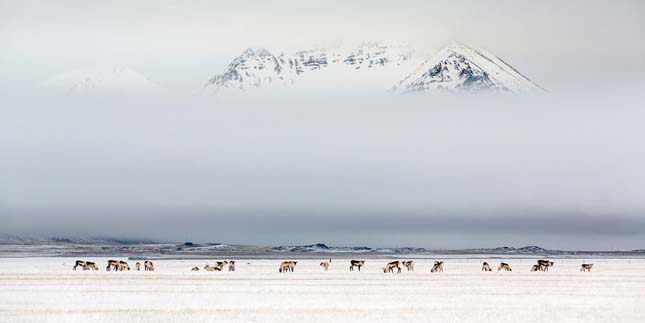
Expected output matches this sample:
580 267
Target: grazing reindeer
148 266
535 268
357 263
123 266
286 266
545 264
231 265
137 266
486 267
409 264
389 268
438 267
211 268
112 265
80 263
325 265
194 268
221 264
504 266
91 265
586 267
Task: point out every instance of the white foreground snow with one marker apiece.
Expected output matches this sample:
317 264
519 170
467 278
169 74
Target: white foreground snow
47 290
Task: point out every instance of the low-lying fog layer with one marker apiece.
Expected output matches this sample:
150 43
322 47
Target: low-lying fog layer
559 171
47 290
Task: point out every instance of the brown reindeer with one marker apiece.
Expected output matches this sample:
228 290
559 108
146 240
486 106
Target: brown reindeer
194 268
91 265
231 265
123 266
586 267
504 266
112 265
221 264
437 267
544 264
325 265
535 268
148 266
137 266
486 267
356 263
409 264
389 268
80 263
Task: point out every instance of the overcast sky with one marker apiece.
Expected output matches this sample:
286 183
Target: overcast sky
182 44
564 170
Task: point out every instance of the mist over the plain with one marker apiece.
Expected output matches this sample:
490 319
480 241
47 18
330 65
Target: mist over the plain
557 170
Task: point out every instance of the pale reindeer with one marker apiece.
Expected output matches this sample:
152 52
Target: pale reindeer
389 268
325 265
286 266
437 267
409 264
586 267
486 267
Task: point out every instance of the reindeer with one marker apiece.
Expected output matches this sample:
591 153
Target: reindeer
437 267
211 268
544 264
90 265
231 265
504 266
357 263
194 268
137 266
586 267
80 263
148 266
325 265
389 268
486 267
123 266
112 265
286 266
221 264
409 264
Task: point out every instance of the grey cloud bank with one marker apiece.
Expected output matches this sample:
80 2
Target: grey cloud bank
560 171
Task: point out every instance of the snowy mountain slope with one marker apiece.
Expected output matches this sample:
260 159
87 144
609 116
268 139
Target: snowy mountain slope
370 64
459 68
102 80
373 66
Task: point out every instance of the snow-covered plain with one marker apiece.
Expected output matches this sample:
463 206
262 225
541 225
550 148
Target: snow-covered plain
47 290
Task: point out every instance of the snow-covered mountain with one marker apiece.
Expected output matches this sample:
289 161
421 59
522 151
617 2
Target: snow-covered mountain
456 68
459 68
368 65
102 80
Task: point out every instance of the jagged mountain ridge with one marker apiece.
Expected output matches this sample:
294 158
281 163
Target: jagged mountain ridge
256 68
457 69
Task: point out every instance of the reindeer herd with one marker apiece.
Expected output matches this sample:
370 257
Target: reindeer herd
289 266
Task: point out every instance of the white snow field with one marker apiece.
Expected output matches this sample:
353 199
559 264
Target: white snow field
47 290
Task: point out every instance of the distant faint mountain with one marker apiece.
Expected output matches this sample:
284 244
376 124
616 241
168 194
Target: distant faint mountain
102 80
